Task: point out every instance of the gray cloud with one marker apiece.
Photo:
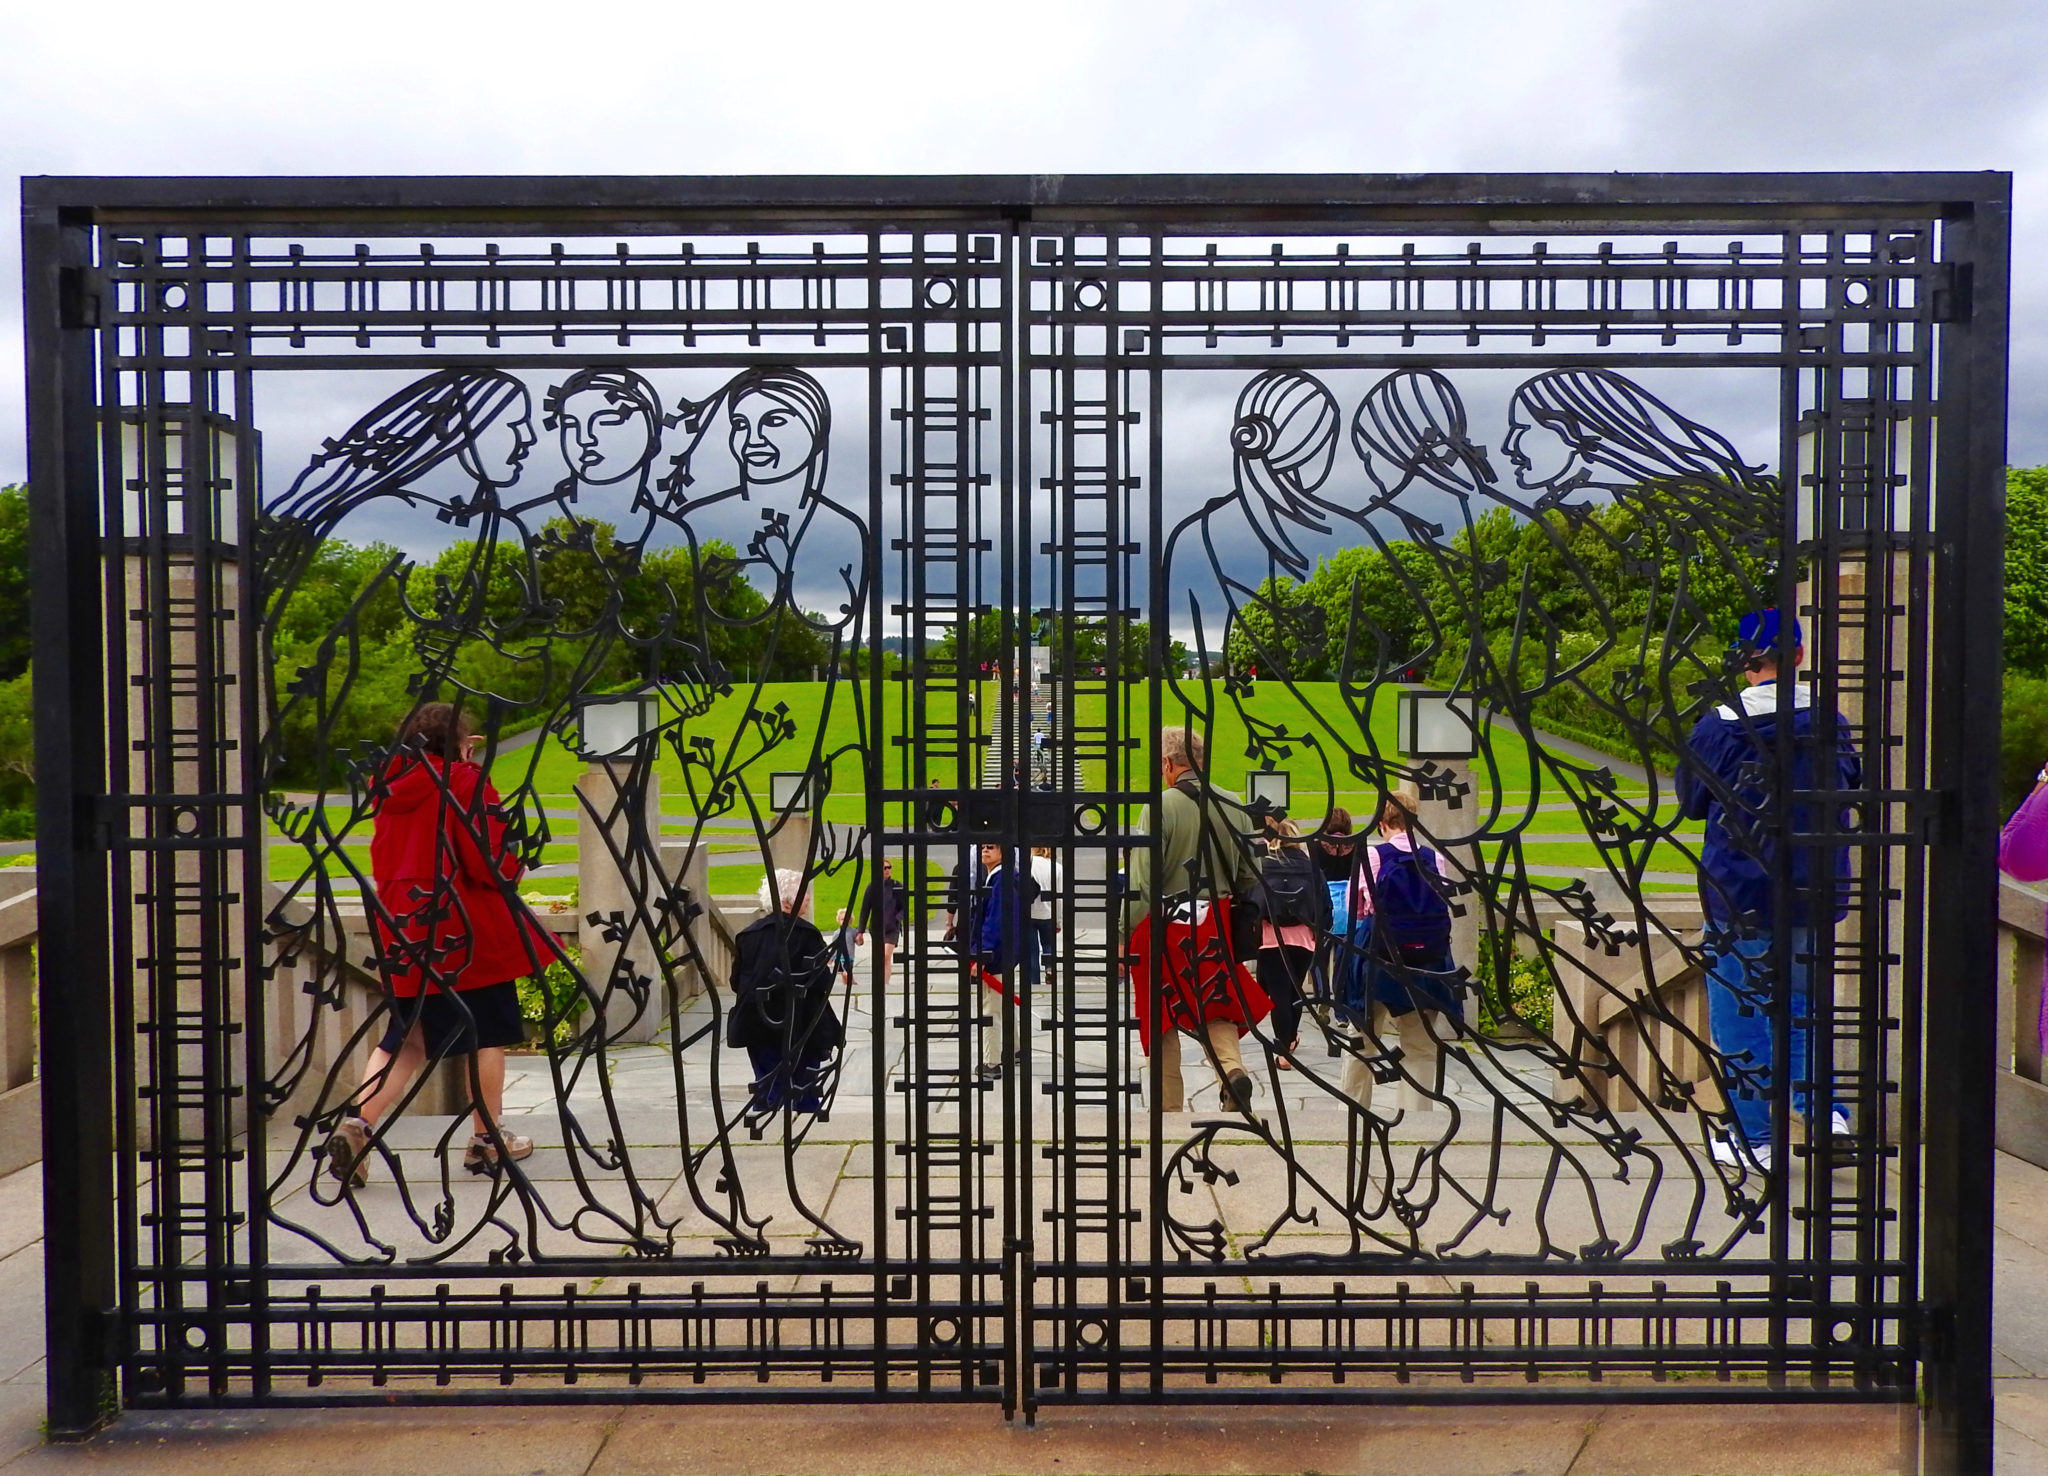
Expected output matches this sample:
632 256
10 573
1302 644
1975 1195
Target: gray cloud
1195 86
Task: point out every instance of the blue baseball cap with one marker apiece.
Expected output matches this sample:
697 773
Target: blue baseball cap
1761 630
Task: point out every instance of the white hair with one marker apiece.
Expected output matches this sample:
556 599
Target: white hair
788 885
1182 747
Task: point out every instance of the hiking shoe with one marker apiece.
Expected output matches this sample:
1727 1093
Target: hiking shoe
1238 1092
348 1152
481 1157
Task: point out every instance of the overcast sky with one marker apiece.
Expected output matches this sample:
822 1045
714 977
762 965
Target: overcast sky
1051 86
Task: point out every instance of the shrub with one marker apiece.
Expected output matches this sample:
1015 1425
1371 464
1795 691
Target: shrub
554 1002
1529 993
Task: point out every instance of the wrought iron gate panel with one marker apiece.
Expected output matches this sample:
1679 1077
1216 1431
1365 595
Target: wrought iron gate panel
1075 430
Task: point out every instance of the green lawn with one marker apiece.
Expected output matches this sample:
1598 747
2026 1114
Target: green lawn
1308 732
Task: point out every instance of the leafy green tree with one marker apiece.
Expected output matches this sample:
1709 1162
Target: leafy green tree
14 606
2026 569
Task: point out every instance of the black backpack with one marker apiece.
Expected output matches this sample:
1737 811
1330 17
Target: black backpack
1292 890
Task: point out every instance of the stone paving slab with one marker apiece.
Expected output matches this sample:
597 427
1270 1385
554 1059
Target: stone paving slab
901 1440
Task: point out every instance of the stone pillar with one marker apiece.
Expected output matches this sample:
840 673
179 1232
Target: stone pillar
789 844
613 795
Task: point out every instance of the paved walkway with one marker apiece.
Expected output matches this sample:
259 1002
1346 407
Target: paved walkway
869 1441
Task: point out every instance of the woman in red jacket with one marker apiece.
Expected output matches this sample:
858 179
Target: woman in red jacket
452 936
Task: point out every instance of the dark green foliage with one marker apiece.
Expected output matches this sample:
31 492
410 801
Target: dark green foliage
1070 643
2026 570
1357 616
1530 1000
547 620
2023 739
553 1003
14 622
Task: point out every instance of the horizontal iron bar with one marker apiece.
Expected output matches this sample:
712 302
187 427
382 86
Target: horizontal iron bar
1755 194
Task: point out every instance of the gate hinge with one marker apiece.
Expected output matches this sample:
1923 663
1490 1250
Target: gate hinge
78 297
1954 296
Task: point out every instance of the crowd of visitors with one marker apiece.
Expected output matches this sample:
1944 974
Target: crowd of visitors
1228 918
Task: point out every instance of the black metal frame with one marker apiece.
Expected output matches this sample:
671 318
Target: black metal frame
1072 367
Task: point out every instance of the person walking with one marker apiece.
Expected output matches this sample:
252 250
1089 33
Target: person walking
452 937
781 1012
1045 921
1294 913
1004 951
1400 956
1730 779
1177 928
881 913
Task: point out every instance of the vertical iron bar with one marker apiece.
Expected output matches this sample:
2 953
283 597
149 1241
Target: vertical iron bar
1963 861
75 986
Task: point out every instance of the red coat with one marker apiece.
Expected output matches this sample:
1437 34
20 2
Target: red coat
443 873
1201 981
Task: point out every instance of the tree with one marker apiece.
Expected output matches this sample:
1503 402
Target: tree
14 599
2026 570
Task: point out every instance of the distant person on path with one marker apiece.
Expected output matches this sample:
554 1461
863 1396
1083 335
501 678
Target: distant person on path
452 938
1730 781
2023 855
1177 926
781 1012
881 913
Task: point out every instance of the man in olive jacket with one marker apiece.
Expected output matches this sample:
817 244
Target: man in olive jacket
1202 859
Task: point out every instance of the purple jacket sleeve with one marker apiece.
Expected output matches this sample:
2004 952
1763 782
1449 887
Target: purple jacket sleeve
2023 846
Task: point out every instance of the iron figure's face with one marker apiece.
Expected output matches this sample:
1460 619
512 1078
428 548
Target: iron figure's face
604 440
1540 453
494 453
769 440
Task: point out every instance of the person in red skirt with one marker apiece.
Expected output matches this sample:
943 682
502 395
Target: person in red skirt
1177 926
453 938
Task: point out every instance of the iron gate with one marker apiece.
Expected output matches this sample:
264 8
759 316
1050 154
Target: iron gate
1250 458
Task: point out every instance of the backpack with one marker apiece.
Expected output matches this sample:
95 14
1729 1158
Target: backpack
1410 917
1292 890
1226 852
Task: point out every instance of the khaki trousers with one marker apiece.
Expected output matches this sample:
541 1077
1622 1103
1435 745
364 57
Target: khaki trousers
1221 1048
1421 1060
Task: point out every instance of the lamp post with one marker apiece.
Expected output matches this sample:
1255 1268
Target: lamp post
1443 728
620 795
1269 791
789 827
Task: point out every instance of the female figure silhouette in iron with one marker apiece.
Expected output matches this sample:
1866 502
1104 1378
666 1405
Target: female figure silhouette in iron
1225 563
475 421
787 537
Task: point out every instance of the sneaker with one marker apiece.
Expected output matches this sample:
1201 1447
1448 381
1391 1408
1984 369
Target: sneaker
348 1152
1736 1154
1838 1125
1238 1092
481 1157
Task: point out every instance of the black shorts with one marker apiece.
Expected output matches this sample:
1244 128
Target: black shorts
456 1024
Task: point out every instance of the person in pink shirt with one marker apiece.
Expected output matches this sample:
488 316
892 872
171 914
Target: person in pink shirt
1409 948
1294 908
2023 856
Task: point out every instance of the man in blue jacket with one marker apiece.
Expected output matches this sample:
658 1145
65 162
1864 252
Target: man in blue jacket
1730 781
1001 923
